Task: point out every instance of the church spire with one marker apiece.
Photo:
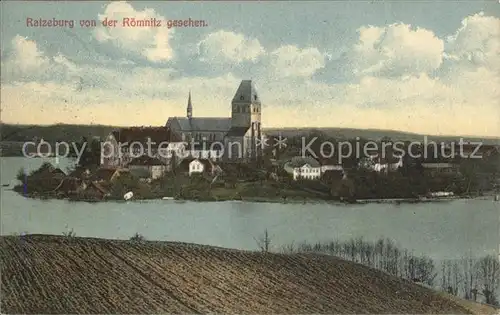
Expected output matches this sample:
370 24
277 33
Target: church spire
189 107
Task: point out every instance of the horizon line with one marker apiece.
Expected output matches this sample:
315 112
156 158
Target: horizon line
264 128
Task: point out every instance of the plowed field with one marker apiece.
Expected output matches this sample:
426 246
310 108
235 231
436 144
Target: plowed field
56 274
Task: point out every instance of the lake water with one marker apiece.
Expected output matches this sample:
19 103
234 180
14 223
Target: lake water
440 230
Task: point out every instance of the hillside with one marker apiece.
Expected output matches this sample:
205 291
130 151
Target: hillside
376 134
56 274
63 132
53 133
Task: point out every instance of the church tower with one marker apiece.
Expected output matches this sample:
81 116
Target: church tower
246 116
189 111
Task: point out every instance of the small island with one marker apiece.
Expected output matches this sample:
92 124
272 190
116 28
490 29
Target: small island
235 181
282 175
104 184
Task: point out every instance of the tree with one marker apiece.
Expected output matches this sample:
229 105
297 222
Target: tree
91 155
343 189
264 242
489 272
173 162
21 175
451 277
470 273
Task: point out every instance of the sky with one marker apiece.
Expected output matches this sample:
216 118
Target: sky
430 67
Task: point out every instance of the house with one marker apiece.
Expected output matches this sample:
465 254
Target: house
240 133
103 174
80 172
173 150
205 151
380 164
331 170
435 167
330 164
47 177
123 145
303 168
331 167
200 166
47 170
147 167
92 190
307 171
440 165
68 185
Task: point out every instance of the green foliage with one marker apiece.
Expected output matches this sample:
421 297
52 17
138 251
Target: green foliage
197 188
123 184
21 174
92 154
137 238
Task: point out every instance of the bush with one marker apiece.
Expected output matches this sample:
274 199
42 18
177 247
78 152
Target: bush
69 233
21 174
137 238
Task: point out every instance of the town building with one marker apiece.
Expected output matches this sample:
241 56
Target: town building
303 168
381 164
234 138
200 166
147 167
123 145
434 167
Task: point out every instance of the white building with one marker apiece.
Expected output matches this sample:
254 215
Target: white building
213 155
332 167
200 166
173 148
303 168
307 171
377 164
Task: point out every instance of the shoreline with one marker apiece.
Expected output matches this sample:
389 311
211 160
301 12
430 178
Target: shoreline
257 199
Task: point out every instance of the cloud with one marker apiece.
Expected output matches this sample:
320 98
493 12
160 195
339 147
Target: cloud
25 59
25 62
477 42
395 50
153 43
126 105
403 78
290 61
228 47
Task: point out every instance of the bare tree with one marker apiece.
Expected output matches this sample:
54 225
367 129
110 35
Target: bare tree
470 278
489 271
264 242
425 270
451 276
289 248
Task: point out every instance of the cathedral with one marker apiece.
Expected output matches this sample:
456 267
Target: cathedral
237 137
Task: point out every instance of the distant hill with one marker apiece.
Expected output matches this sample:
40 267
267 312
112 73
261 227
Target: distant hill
52 133
64 132
375 134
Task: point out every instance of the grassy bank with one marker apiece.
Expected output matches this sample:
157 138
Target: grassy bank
110 276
